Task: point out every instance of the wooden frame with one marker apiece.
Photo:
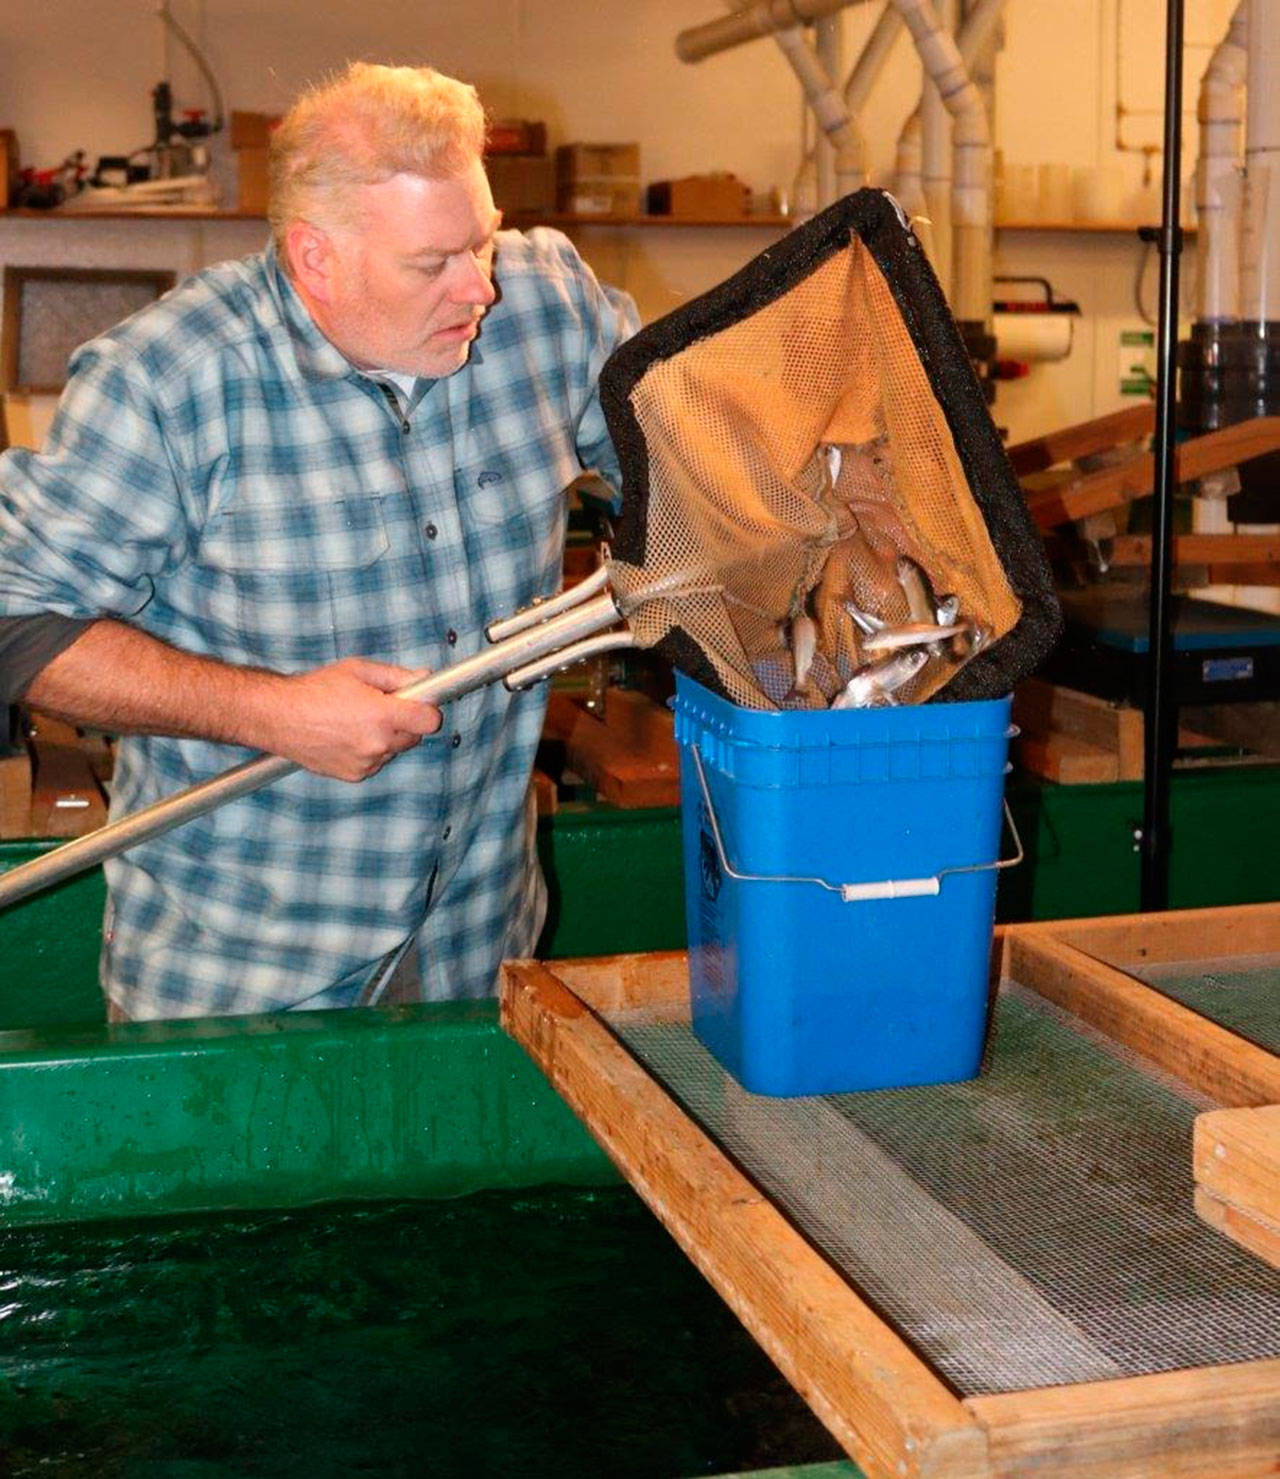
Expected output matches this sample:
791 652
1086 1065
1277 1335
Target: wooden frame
120 292
886 1406
1074 495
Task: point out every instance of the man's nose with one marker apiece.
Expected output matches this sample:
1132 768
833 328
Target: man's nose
474 284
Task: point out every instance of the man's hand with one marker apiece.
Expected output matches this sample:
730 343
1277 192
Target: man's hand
345 721
342 720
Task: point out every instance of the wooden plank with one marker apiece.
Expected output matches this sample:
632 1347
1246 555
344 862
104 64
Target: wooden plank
546 798
1069 761
1257 1235
1179 934
1201 549
1091 493
1235 1154
1211 1059
15 794
1251 726
623 772
1083 439
658 982
638 721
883 1405
1216 1422
1040 707
65 798
1264 575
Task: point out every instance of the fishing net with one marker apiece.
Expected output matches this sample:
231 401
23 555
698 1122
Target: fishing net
817 510
811 472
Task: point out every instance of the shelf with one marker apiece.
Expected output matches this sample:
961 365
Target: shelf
765 223
560 218
1105 228
172 213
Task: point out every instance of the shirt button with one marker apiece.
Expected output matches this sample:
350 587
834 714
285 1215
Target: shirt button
451 637
430 531
447 833
455 742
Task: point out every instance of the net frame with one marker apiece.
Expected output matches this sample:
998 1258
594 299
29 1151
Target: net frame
690 634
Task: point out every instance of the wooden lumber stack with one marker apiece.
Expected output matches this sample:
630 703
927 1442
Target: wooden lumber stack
1078 739
1236 1158
15 792
1085 473
628 754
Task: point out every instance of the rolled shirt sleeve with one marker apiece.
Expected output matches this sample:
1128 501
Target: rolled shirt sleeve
88 524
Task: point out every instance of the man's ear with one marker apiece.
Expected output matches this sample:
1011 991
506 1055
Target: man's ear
312 259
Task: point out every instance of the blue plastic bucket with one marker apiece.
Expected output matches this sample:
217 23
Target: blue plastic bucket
854 952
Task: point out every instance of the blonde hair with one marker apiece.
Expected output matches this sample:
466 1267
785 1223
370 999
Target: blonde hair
363 127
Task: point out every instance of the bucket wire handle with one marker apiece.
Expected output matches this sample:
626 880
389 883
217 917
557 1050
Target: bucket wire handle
889 888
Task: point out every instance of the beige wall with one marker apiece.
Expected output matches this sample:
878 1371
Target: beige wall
74 74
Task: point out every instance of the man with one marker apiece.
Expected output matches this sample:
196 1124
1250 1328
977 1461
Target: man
273 498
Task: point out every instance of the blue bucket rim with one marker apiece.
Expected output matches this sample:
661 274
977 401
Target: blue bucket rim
980 719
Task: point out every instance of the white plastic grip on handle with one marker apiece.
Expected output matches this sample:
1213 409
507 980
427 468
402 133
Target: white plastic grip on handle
891 888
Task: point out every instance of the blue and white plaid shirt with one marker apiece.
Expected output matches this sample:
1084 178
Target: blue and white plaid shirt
220 476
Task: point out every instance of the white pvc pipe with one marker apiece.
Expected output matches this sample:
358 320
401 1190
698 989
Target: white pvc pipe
883 38
971 211
828 46
908 185
866 70
760 18
936 126
1218 177
978 30
830 111
1260 275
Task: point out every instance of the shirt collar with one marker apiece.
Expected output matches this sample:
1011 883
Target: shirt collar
317 358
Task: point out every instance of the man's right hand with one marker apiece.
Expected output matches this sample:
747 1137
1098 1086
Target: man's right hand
345 721
342 720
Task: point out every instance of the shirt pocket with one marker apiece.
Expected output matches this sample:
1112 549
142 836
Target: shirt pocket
519 487
513 508
297 579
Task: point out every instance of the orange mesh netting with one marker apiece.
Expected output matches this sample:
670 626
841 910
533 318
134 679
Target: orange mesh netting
791 458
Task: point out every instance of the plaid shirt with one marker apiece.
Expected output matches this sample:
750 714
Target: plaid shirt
221 477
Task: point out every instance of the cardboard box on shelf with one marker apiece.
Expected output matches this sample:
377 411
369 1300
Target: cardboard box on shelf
598 179
249 135
251 130
251 173
8 166
715 197
516 136
522 184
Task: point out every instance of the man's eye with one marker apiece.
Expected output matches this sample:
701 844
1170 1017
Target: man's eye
431 269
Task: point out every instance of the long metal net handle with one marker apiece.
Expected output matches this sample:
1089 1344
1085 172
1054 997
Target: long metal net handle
851 893
566 636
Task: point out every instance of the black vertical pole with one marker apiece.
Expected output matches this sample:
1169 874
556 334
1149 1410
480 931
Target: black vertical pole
1161 714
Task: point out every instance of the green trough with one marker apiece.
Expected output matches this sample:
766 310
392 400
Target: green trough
103 1125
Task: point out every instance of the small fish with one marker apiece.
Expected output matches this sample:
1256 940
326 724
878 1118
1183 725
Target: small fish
918 634
967 640
947 610
863 620
803 641
916 589
834 457
875 685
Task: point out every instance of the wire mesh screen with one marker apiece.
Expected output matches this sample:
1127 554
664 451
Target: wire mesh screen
1029 1228
1239 992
